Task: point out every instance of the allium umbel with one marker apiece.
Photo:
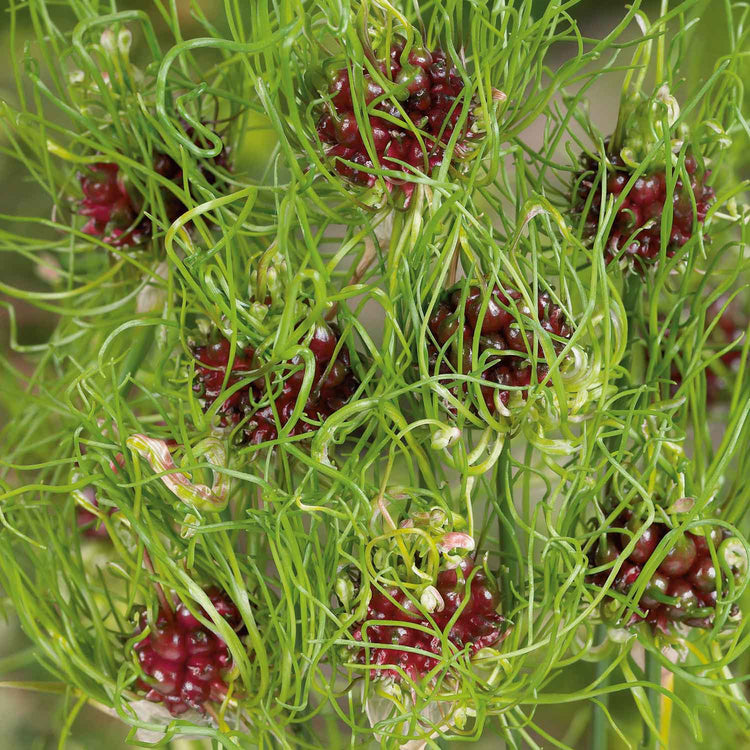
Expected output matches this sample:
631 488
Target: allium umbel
683 589
112 206
478 625
409 136
637 227
184 663
507 365
263 410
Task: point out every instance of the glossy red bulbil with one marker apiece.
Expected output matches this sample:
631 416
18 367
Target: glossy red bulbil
182 661
679 559
683 588
478 625
648 538
112 211
429 88
508 364
637 224
333 386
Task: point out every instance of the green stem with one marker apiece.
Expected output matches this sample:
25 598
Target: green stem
631 296
135 358
506 527
661 68
653 675
600 727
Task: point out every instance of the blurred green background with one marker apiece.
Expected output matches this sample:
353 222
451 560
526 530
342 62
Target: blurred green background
36 720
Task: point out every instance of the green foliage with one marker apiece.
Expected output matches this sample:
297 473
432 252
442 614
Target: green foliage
313 522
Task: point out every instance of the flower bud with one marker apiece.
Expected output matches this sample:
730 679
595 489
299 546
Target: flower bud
152 297
455 540
675 653
431 600
681 505
49 270
124 40
734 555
664 97
459 717
108 41
273 281
721 137
438 517
444 437
344 591
259 310
204 327
609 611
620 635
380 559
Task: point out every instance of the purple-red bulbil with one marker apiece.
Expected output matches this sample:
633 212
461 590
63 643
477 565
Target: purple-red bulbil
110 210
113 211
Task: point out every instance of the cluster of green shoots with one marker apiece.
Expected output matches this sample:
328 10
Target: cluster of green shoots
301 530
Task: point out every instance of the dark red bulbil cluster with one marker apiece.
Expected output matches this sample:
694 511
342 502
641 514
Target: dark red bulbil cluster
499 331
112 210
333 385
637 224
477 626
184 663
683 589
428 86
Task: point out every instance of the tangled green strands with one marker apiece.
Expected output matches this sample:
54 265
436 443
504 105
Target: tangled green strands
425 466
